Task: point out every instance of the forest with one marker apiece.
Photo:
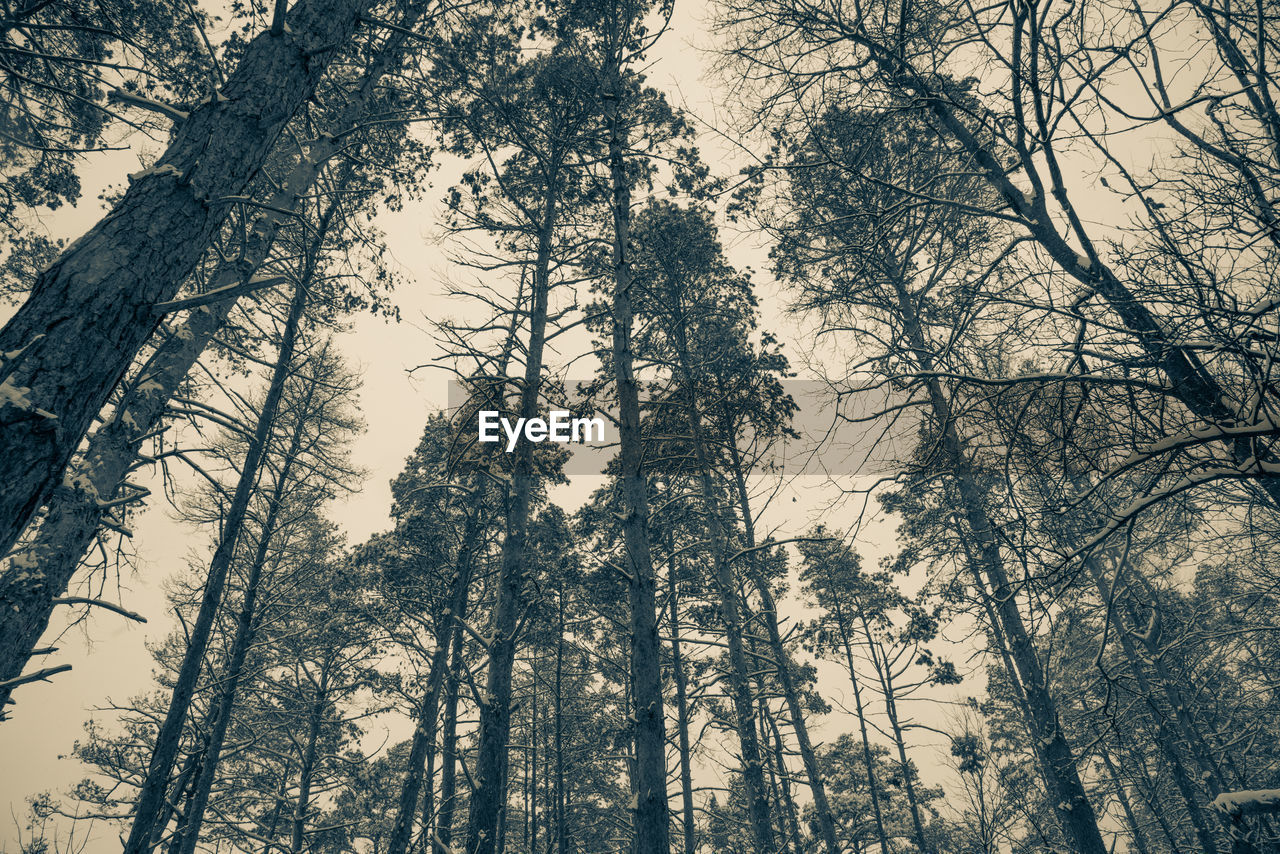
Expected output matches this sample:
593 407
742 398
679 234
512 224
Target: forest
937 347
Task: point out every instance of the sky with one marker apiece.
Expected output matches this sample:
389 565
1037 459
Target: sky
109 654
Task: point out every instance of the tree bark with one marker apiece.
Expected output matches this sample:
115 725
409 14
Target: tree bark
652 813
42 569
687 818
449 749
90 313
782 660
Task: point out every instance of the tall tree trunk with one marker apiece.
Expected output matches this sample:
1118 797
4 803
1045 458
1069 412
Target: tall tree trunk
885 677
868 761
782 659
1137 836
488 801
246 624
652 814
90 313
74 513
772 736
306 772
531 813
1067 795
561 831
758 811
153 789
424 733
449 748
687 818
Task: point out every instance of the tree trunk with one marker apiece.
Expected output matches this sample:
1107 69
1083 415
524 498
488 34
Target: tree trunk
449 748
1137 836
424 734
652 814
561 831
90 313
1067 795
868 761
306 773
245 629
687 818
760 820
782 660
153 788
41 571
489 798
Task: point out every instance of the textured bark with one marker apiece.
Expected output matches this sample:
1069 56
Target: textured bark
42 570
152 794
651 819
91 312
486 817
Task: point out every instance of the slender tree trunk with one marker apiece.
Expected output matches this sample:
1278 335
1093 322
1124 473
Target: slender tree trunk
90 313
424 733
306 773
489 798
758 810
868 761
561 832
782 660
1067 795
885 676
772 735
687 818
156 782
245 630
531 812
1137 836
1165 739
449 748
652 814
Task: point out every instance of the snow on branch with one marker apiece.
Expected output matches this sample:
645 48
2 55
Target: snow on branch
218 294
133 98
83 600
1252 802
